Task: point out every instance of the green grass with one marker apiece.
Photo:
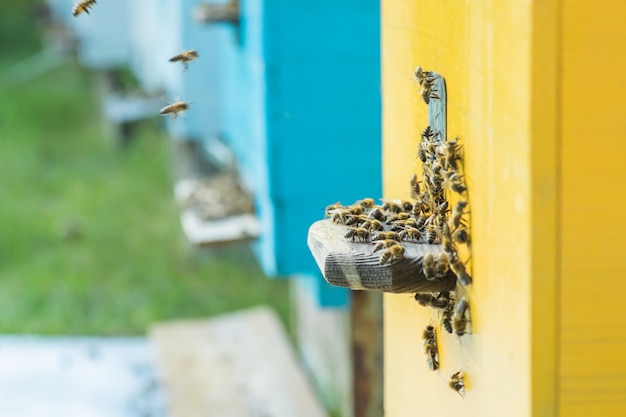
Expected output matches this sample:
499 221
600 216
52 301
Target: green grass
90 241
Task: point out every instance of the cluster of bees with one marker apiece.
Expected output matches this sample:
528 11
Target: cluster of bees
174 109
441 162
387 226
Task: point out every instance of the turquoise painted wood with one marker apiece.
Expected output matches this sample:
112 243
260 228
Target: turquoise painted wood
301 109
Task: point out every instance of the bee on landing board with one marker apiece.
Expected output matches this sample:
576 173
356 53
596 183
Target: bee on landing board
82 6
174 109
185 57
393 252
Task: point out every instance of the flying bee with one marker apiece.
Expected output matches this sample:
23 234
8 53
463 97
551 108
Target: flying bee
82 6
384 244
454 182
429 342
410 233
358 233
431 233
392 207
386 236
393 252
457 382
457 266
372 225
428 266
174 109
415 186
456 217
459 318
185 57
397 217
442 264
461 235
377 213
442 208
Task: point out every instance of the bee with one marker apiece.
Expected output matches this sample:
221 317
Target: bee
340 216
386 236
450 151
410 233
415 186
429 342
174 109
459 319
421 153
355 220
446 239
457 382
442 264
442 208
428 133
446 317
457 266
393 252
407 206
358 232
454 182
397 217
185 57
392 207
428 266
420 222
456 218
426 80
377 214
356 210
372 225
332 208
437 300
384 244
365 203
82 6
431 233
461 235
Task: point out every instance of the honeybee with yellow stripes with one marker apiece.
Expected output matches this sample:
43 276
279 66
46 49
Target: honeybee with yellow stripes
175 109
185 57
82 6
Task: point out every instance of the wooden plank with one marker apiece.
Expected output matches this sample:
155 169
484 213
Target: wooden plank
240 364
490 55
592 366
354 265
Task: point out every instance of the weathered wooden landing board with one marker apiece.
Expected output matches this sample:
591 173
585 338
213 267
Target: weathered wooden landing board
352 264
238 365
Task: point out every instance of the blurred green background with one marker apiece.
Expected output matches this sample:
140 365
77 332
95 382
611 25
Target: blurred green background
90 241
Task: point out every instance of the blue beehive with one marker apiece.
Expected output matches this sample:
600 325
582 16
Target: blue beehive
301 108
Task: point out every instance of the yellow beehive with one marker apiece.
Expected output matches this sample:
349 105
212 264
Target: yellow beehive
535 91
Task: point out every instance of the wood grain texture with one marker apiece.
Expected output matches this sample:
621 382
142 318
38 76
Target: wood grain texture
592 348
492 57
353 265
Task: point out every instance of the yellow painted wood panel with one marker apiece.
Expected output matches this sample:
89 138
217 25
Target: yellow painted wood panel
593 309
496 62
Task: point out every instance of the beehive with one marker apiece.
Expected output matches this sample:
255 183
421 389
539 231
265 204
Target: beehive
547 257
